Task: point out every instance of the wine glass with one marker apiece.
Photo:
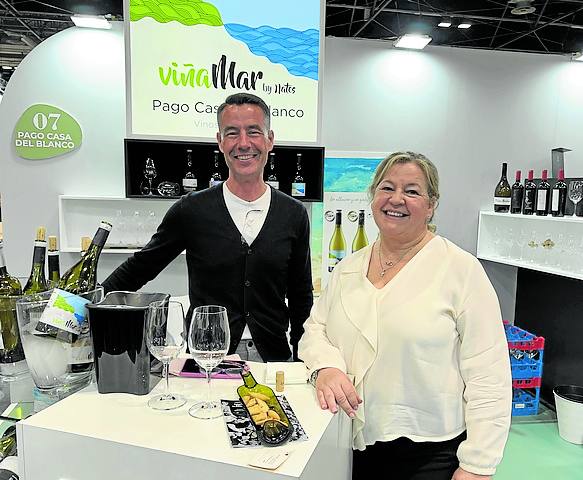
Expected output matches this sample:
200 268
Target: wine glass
209 338
149 174
575 193
165 343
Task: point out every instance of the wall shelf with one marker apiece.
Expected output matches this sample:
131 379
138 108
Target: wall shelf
542 243
170 164
134 221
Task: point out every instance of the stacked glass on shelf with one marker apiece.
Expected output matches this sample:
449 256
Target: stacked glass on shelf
540 199
46 321
562 251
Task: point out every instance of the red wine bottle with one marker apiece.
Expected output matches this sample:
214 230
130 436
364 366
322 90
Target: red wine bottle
502 192
559 196
529 194
517 195
543 196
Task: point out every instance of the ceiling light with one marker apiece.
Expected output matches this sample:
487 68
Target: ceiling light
6 67
464 25
412 40
444 24
90 21
522 7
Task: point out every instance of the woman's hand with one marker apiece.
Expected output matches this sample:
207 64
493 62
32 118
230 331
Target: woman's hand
461 474
334 388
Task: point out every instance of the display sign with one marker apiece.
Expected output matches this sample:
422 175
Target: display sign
45 131
186 57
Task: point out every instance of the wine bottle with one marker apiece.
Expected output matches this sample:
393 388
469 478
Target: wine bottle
8 441
360 239
337 247
37 281
543 196
9 285
298 188
10 288
80 278
53 260
273 425
189 182
272 179
502 192
559 196
517 195
216 176
9 468
529 194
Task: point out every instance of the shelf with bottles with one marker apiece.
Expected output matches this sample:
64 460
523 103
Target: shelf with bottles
134 221
161 168
543 243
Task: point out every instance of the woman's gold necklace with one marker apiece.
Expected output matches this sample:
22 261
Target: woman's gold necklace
388 264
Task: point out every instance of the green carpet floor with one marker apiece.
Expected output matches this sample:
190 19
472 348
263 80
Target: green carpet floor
535 451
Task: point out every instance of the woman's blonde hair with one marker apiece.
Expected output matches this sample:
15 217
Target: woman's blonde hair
397 158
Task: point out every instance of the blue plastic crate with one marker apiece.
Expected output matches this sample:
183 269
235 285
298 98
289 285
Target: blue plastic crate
526 363
525 402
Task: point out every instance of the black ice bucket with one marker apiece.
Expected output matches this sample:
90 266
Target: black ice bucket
122 360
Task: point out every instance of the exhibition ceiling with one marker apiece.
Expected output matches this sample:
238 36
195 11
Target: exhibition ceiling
539 26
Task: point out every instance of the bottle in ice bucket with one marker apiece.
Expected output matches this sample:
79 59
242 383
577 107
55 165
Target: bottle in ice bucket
80 278
10 289
272 424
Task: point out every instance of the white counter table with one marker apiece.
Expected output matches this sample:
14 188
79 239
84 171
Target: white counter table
90 436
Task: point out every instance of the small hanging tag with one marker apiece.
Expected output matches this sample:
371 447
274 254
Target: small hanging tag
269 460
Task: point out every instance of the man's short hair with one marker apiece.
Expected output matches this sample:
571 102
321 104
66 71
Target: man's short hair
245 99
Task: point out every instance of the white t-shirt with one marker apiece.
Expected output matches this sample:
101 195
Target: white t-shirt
249 218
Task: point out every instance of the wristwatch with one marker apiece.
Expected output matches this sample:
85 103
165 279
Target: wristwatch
313 378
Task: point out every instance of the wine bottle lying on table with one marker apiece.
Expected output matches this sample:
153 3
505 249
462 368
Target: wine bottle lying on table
272 424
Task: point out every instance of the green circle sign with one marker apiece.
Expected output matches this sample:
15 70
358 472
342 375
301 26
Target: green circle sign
45 131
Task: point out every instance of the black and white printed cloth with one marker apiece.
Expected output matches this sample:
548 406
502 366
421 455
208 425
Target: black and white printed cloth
241 429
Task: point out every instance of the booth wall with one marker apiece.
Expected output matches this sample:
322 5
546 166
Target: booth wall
467 110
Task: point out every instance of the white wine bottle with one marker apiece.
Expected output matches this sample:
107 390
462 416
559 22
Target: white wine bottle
37 281
272 424
53 260
9 285
10 288
80 278
189 182
298 188
216 176
272 179
360 239
502 192
337 247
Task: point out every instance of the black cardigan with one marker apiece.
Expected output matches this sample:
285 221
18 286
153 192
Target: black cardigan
251 281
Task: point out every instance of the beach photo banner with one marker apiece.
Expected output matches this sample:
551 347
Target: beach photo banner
184 57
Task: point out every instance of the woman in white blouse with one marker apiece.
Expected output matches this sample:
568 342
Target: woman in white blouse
414 319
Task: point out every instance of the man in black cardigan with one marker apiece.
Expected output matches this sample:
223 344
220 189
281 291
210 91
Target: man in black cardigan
247 244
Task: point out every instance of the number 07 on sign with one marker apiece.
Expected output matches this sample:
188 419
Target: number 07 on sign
46 131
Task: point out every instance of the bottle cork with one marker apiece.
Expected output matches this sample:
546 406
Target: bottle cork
279 381
41 234
52 243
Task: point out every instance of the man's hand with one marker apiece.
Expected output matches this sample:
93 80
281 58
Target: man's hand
461 474
334 388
